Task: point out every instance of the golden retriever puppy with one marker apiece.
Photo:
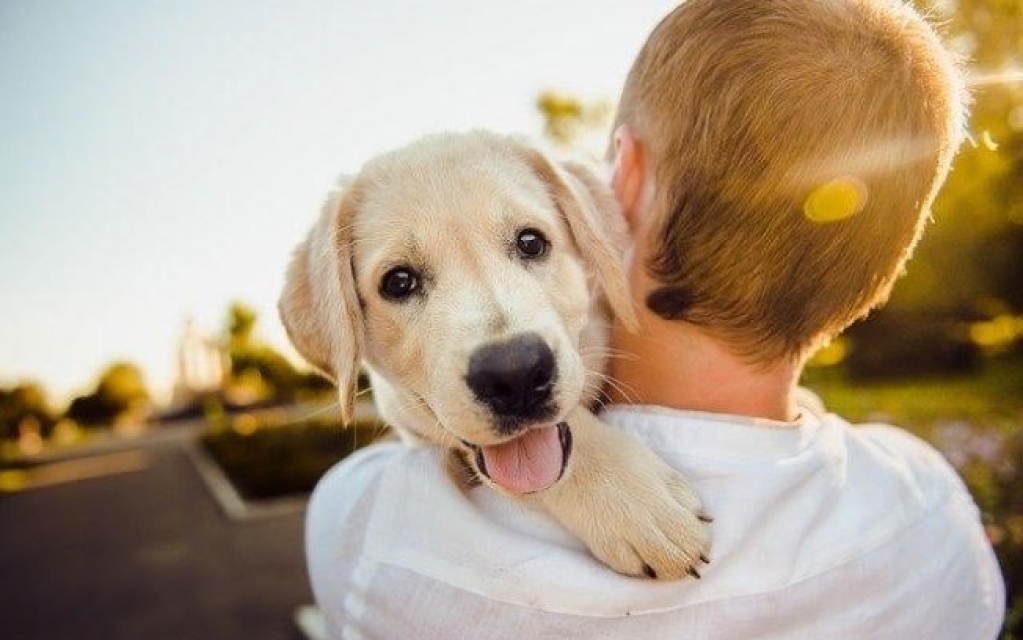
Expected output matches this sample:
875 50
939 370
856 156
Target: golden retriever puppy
473 278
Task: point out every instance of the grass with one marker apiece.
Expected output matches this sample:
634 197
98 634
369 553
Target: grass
992 397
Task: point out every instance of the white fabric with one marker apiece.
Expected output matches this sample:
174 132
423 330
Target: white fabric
821 530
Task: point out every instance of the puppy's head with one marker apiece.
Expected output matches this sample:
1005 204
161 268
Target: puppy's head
468 273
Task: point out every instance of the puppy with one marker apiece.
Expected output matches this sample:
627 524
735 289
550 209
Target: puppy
473 279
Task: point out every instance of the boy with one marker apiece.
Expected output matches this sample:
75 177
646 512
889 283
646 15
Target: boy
775 160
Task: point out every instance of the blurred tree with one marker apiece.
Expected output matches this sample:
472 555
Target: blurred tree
241 324
121 389
23 405
983 197
1000 255
574 123
258 372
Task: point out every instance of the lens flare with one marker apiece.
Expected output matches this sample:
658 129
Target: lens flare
835 200
1008 75
988 141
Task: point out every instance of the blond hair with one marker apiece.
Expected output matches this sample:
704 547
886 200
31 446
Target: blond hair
796 147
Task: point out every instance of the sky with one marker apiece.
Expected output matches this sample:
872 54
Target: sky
161 159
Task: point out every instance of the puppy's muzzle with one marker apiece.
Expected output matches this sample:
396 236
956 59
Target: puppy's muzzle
514 379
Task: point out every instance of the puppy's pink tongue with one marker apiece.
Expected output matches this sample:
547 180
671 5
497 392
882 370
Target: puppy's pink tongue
529 463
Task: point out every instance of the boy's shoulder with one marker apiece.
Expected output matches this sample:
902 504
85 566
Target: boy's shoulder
359 476
884 445
920 467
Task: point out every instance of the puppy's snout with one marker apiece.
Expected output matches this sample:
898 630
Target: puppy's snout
514 378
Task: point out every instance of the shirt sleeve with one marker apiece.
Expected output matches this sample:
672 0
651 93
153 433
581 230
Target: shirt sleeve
336 520
970 580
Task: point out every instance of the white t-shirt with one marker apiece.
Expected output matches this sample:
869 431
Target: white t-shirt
821 530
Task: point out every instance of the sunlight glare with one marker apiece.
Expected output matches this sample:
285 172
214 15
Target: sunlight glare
877 156
1009 75
836 200
988 142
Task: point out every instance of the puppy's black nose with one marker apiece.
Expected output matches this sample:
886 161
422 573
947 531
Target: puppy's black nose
514 378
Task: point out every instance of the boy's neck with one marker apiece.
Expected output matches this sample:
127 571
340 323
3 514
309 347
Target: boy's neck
677 365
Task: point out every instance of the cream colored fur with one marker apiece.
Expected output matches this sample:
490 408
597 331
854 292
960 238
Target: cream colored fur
451 205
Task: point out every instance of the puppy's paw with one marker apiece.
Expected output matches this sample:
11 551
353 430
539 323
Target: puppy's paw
634 512
655 527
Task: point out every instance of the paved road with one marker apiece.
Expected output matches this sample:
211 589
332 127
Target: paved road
144 553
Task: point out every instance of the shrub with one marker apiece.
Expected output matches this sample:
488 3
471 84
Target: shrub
264 458
900 345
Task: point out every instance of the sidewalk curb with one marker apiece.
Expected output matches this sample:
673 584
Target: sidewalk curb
227 497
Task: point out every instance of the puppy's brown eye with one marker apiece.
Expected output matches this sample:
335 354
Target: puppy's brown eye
399 283
531 244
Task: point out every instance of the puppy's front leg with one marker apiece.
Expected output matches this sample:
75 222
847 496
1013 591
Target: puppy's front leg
634 512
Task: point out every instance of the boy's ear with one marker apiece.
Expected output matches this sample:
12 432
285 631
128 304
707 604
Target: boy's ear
319 305
628 176
592 216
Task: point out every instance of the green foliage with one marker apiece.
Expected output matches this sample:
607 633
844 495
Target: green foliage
981 200
23 404
990 395
568 120
999 256
241 324
897 344
261 370
267 459
121 388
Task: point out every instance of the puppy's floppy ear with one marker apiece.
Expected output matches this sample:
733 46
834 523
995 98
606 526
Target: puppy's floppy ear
596 223
319 305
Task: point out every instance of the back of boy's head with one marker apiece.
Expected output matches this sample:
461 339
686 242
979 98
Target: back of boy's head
796 147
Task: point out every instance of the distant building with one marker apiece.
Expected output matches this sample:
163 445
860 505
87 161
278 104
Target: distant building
202 364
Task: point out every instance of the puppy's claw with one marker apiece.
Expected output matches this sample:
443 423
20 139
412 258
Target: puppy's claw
704 559
693 572
703 517
649 572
